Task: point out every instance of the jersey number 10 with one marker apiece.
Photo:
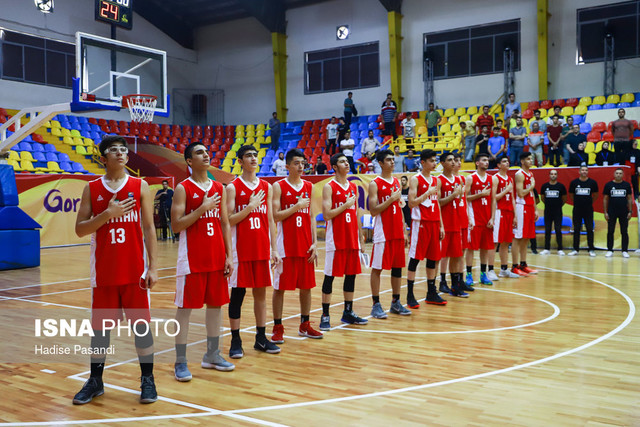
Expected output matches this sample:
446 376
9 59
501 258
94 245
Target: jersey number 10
255 223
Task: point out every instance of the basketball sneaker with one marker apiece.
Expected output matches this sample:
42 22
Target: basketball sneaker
508 274
216 361
352 318
484 280
235 351
545 252
592 253
181 372
459 292
92 388
378 312
263 344
561 252
277 336
466 287
307 331
444 288
574 253
528 270
435 299
412 303
398 308
148 393
519 272
491 274
609 254
325 323
625 254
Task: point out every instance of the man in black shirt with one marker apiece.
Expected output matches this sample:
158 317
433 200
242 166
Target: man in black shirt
164 197
617 206
584 192
406 210
554 196
321 167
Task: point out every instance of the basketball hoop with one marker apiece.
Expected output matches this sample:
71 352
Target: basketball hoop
141 107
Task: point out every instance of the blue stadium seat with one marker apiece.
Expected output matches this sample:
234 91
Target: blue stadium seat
85 134
577 119
95 128
353 127
594 107
36 146
636 103
66 166
50 148
585 127
608 106
83 120
39 156
363 126
373 125
72 119
64 157
297 130
77 167
51 157
372 119
24 146
624 105
95 136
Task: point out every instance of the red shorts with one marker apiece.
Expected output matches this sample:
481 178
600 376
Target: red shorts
251 274
481 238
503 227
109 302
526 222
452 244
342 262
197 289
425 240
295 272
465 238
388 255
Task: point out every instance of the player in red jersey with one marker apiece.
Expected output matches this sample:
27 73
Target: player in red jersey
502 214
427 229
253 246
204 258
117 210
526 215
451 190
344 241
478 190
296 242
389 234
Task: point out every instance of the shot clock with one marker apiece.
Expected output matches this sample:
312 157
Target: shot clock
118 12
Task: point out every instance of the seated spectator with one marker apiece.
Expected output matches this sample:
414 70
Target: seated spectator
320 168
554 133
573 139
389 113
371 169
482 141
511 106
517 135
503 132
542 125
411 163
484 119
369 144
347 145
432 119
398 159
279 166
605 157
496 147
579 157
363 163
409 126
332 136
556 112
536 144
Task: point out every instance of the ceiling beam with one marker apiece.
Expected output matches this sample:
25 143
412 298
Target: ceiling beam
270 13
167 21
392 5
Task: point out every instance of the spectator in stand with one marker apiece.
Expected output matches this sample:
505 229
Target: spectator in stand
409 127
572 140
622 136
503 132
164 197
349 109
411 164
279 165
332 135
497 147
536 143
362 164
389 113
556 112
517 135
579 157
369 144
406 210
398 160
371 169
513 119
432 119
390 98
320 168
567 129
618 206
542 125
604 157
482 141
342 129
469 140
347 145
554 133
484 119
511 106
274 125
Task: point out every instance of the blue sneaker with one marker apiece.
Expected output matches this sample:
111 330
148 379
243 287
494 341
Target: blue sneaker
181 372
378 312
484 279
325 323
235 351
216 361
468 280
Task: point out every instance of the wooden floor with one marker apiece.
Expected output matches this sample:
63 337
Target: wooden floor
560 348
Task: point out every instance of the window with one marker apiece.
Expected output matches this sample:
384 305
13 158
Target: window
620 20
33 59
343 68
472 51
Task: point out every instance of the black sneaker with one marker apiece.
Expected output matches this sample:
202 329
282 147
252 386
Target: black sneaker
352 318
266 346
459 292
92 388
466 287
444 288
148 387
235 352
412 303
434 298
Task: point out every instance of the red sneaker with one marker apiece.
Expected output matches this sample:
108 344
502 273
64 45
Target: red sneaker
529 270
277 334
519 272
307 331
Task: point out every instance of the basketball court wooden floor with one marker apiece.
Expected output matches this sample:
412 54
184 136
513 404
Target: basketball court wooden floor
560 348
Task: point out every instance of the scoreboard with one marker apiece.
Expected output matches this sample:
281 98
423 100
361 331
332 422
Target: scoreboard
118 12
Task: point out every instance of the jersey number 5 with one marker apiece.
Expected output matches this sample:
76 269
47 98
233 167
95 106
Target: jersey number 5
117 235
209 229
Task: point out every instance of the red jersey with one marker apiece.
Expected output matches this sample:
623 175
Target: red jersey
252 233
506 203
529 199
342 230
294 232
462 207
117 248
480 207
429 210
389 224
201 248
450 215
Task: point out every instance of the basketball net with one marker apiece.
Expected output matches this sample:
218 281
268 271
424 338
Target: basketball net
141 107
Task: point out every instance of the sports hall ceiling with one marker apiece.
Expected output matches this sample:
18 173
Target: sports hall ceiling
179 18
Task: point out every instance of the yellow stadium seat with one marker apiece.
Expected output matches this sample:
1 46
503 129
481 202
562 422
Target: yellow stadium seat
55 124
495 109
75 133
422 130
54 167
81 150
442 121
260 132
88 142
250 133
592 158
250 140
25 155
239 127
455 128
26 165
55 131
226 168
14 155
599 100
250 128
47 124
256 145
472 110
628 97
239 134
590 148
78 140
585 100
567 111
452 120
261 126
68 140
445 128
15 164
543 113
465 118
581 110
461 111
260 140
448 112
228 161
231 154
474 118
237 170
236 146
239 141
613 99
65 132
268 139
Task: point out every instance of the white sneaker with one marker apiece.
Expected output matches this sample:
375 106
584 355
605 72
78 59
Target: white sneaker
509 274
592 253
574 253
545 252
638 251
491 274
625 254
561 253
609 254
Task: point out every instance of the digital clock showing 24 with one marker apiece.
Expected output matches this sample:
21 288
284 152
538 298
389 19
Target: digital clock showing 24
118 12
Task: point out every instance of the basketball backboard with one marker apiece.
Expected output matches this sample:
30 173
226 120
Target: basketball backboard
108 69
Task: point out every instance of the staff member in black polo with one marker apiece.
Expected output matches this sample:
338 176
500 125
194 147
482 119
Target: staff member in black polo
554 196
617 204
584 192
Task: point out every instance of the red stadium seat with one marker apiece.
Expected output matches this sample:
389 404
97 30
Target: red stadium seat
593 136
317 123
559 103
599 127
527 114
93 120
533 105
607 136
546 104
572 102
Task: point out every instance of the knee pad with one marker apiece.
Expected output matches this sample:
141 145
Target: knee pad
413 264
431 263
144 337
396 272
349 283
327 285
235 302
100 339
